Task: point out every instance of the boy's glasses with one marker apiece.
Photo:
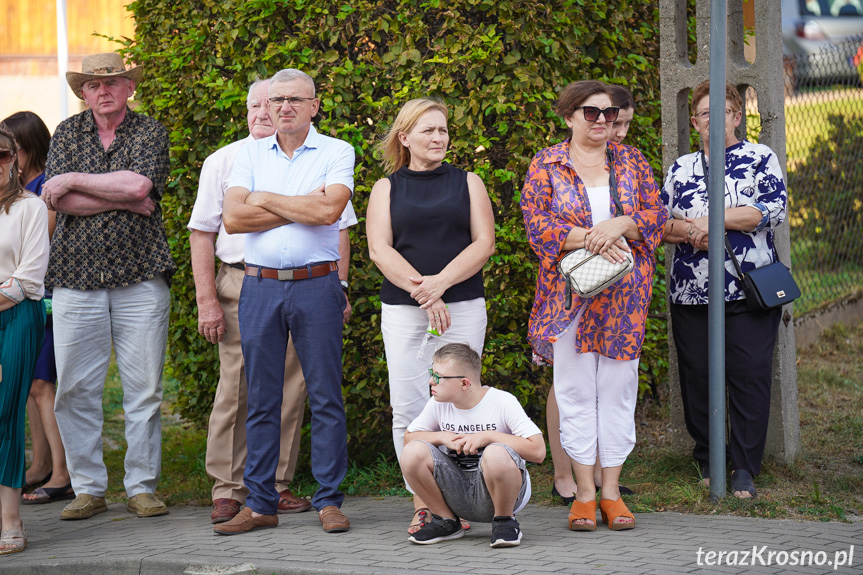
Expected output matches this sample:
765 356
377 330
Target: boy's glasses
6 156
436 378
591 113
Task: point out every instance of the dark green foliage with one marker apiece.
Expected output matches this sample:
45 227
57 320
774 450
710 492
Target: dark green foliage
499 65
825 202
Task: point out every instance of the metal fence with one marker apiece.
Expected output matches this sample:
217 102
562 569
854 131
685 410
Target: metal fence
824 144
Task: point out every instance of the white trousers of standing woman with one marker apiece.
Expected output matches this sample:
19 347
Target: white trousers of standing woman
403 328
596 398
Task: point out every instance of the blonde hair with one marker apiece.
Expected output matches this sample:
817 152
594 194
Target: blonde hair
461 356
393 153
10 187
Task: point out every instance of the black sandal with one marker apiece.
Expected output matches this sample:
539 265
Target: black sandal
49 495
741 480
704 473
565 500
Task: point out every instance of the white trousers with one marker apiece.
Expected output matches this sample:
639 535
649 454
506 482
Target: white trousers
135 319
403 328
596 398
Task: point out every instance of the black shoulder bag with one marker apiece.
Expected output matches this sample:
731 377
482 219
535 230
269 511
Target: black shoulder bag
766 287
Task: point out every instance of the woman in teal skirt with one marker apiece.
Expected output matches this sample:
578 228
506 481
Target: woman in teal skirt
23 261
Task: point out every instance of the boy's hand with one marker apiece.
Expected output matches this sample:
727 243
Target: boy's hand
471 443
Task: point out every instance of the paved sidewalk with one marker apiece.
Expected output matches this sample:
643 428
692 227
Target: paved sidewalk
183 542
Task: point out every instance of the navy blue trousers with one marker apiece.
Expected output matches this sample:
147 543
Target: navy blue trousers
311 311
750 337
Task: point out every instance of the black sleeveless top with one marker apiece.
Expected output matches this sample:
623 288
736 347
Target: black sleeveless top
430 214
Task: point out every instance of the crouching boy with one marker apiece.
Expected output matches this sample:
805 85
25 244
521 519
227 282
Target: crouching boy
465 453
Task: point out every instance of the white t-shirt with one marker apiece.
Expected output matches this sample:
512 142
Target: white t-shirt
498 410
600 200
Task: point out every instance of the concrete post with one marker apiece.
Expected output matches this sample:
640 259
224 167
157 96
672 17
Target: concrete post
678 77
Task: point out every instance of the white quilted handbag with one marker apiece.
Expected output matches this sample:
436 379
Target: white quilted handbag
586 273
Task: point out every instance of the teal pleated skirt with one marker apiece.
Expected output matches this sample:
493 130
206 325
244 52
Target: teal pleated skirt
21 331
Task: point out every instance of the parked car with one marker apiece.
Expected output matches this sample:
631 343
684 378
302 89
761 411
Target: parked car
820 39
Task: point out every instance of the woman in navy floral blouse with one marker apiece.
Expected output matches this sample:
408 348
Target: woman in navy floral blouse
755 199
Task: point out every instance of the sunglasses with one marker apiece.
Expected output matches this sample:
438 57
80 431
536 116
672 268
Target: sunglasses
591 113
436 378
6 156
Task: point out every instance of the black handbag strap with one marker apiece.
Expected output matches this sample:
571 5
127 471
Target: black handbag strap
727 241
612 188
728 247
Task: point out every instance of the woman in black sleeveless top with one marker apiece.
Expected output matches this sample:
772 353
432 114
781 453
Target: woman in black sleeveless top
430 230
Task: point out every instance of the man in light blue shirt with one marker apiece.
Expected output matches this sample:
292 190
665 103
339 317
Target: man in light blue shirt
291 287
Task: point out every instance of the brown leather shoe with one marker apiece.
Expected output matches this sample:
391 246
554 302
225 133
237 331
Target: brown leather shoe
333 520
244 522
290 503
224 510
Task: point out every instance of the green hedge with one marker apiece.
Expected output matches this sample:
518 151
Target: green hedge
499 65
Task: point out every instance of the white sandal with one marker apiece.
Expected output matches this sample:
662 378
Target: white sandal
13 540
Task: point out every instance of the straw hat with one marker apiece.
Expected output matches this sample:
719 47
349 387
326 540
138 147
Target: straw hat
105 65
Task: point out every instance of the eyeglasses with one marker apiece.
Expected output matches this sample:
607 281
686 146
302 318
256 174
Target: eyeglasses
6 156
705 115
436 378
293 102
591 113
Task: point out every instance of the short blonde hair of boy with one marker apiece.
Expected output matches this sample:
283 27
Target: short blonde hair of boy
461 355
394 154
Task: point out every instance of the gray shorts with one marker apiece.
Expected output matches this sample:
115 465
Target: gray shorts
465 492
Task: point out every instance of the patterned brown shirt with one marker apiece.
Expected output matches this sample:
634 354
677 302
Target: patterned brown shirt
116 248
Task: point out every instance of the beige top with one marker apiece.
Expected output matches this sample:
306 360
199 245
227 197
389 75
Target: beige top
24 249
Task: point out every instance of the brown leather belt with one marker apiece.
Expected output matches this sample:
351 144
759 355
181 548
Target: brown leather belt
292 274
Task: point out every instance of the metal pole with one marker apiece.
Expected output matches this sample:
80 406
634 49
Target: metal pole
62 58
716 248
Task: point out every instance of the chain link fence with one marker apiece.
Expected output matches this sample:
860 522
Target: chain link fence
824 145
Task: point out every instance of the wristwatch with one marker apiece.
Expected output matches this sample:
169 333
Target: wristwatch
344 285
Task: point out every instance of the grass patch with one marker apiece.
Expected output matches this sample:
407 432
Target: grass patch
825 483
806 119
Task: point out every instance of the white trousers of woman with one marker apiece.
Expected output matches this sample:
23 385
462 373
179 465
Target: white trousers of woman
403 328
596 397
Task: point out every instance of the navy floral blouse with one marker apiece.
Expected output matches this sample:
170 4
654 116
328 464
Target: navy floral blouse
753 177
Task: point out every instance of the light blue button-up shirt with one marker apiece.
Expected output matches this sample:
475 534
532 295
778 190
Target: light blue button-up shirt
261 166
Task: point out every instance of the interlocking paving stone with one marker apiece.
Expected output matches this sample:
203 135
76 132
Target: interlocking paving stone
183 542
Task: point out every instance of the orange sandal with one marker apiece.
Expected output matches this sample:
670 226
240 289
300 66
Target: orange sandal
586 511
611 510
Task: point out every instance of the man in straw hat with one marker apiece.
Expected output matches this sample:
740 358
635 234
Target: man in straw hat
109 269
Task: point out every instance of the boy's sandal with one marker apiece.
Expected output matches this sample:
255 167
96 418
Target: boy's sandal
585 511
423 515
611 510
13 541
741 480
